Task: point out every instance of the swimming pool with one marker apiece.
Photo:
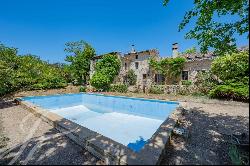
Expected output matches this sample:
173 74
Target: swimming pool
129 121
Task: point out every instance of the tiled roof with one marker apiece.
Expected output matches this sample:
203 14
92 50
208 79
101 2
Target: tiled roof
198 56
209 55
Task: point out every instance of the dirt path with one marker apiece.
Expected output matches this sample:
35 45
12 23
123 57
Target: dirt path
32 141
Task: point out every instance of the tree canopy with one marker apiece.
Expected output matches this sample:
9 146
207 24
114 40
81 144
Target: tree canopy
105 71
26 72
79 58
211 29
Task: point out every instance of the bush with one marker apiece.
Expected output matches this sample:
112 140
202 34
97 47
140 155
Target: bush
106 70
26 72
82 89
233 71
231 67
156 89
100 81
235 91
186 82
131 77
205 81
119 88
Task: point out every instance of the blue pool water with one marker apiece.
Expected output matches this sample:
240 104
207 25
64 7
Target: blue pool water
129 121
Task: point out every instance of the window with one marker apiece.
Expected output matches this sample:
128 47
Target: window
136 65
125 66
184 75
136 56
144 76
159 79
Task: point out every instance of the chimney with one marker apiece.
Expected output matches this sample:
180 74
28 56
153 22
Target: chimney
133 49
175 50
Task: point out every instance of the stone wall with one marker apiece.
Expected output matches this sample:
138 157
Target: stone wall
179 89
193 67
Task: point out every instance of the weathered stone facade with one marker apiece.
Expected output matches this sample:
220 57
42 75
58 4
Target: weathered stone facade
193 67
138 62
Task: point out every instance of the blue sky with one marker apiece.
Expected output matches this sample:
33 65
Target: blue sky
42 27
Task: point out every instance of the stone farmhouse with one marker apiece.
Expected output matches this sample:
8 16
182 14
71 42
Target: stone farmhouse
138 62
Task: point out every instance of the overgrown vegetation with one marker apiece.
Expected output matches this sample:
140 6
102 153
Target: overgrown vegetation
79 58
233 71
205 81
186 82
235 91
157 89
105 72
228 78
82 89
170 68
119 88
131 77
27 72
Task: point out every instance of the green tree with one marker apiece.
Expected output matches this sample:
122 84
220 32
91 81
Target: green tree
211 29
171 68
190 51
81 54
26 72
105 72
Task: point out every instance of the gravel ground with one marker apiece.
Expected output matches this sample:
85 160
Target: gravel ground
207 121
32 141
208 125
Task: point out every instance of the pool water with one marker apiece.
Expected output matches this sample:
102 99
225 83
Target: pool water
129 121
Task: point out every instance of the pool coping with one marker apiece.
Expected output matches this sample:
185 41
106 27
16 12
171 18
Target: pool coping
108 150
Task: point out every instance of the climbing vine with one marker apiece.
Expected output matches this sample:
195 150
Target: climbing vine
170 68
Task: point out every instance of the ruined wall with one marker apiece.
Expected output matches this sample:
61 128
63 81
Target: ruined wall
194 66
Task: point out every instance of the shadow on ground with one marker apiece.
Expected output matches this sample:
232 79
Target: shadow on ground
207 143
6 104
51 151
50 147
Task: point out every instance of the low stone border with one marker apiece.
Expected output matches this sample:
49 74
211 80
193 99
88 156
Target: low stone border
108 150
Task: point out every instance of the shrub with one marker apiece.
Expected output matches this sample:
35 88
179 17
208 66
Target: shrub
119 88
235 91
131 77
233 70
26 72
186 82
82 89
100 81
231 67
205 81
156 89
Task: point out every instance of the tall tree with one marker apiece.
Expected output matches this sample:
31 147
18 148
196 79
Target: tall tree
211 29
81 54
